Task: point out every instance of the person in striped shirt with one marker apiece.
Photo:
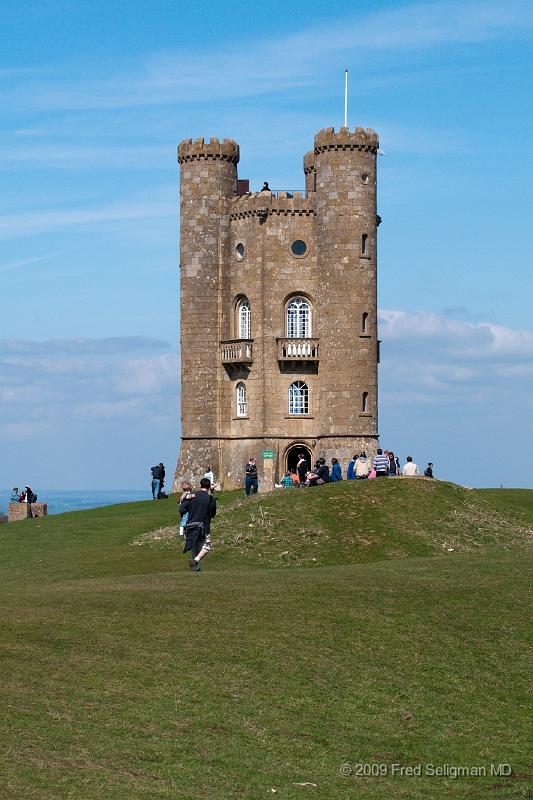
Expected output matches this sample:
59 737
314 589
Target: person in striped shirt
381 464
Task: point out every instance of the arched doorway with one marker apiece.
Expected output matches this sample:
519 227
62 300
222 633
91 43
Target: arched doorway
293 456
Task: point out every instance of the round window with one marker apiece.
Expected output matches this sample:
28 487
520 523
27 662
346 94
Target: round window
240 251
365 178
298 248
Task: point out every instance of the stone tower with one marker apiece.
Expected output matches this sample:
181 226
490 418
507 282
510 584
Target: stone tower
279 347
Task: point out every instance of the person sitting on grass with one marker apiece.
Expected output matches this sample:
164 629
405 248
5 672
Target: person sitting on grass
428 472
287 481
201 507
320 474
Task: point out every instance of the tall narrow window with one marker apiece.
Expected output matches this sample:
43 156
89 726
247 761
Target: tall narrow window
242 409
364 238
364 322
298 319
364 403
298 398
245 321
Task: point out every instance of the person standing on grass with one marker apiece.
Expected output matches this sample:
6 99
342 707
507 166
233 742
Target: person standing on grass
201 507
350 474
301 468
250 478
362 467
157 477
336 471
410 469
393 469
381 464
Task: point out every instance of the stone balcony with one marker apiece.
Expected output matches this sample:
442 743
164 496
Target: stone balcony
236 351
299 350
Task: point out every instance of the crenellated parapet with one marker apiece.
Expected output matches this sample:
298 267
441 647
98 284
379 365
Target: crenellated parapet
309 162
364 139
199 149
262 204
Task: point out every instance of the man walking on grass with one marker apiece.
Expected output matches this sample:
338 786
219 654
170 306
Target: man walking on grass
201 507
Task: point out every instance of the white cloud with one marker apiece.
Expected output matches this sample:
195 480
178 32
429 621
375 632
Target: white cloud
149 375
464 339
162 204
296 60
110 345
432 359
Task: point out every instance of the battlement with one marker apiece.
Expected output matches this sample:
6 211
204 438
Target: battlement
199 149
309 162
364 139
261 204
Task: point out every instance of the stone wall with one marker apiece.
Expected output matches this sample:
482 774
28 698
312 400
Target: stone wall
18 511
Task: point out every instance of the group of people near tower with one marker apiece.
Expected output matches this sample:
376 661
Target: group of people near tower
383 464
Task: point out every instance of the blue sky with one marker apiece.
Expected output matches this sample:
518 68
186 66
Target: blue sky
95 97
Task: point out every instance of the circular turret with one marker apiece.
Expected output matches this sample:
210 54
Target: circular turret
198 149
364 139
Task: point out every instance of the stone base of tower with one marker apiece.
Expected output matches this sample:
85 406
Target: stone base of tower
228 457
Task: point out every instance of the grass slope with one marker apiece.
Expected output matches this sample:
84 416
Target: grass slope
125 676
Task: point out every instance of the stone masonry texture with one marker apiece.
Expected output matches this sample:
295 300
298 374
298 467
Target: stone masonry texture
239 247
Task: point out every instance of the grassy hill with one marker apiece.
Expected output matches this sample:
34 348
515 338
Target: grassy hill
380 623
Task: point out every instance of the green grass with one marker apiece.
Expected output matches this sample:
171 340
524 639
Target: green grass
381 622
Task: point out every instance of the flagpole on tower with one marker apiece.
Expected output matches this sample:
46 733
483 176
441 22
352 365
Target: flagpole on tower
345 98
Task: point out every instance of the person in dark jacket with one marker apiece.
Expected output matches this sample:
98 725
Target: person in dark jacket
350 475
428 472
250 478
302 468
201 507
321 472
336 471
157 477
393 469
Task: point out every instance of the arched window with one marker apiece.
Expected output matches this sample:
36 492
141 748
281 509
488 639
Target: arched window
364 238
298 398
242 408
244 318
299 319
364 402
364 322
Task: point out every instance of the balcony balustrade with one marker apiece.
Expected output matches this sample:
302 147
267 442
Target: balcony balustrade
298 349
236 351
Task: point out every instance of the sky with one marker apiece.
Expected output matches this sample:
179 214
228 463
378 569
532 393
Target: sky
95 97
